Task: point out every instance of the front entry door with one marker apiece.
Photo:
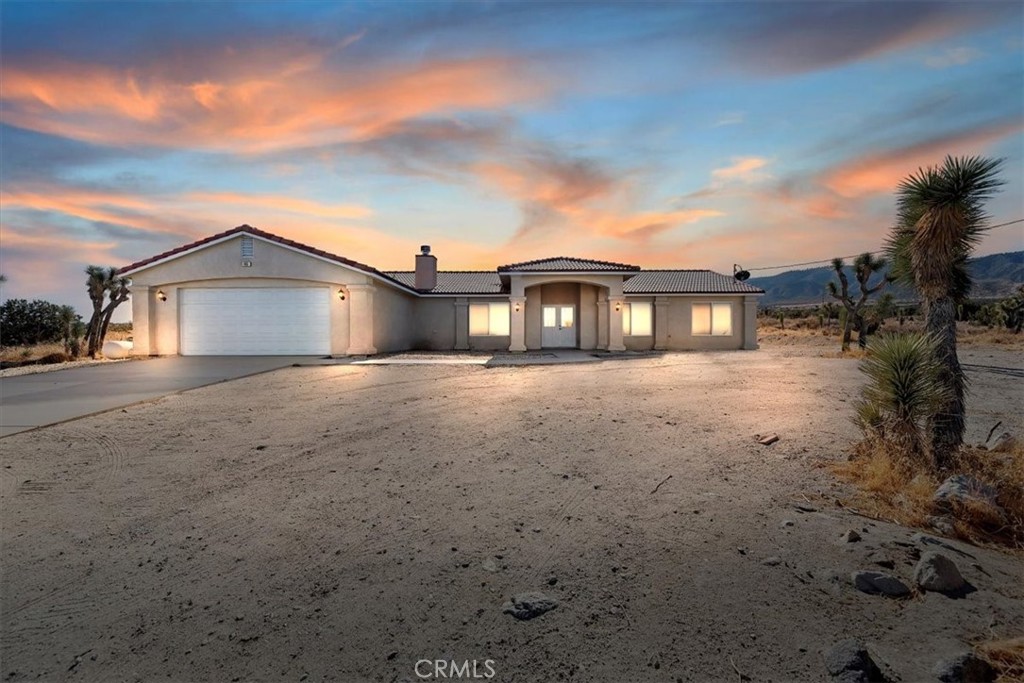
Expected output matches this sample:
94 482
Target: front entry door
559 329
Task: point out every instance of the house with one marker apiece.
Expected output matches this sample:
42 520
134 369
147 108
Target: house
248 292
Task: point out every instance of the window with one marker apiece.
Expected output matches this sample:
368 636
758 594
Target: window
491 320
636 319
712 319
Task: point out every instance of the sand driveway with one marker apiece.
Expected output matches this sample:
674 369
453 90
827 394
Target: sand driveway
343 523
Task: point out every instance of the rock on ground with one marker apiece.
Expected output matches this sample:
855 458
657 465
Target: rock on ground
879 583
1001 443
849 662
962 490
525 606
936 572
965 667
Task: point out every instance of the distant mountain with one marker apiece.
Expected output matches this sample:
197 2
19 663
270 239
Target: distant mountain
995 276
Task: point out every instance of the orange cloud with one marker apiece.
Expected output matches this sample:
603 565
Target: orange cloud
243 104
282 203
93 205
743 168
882 172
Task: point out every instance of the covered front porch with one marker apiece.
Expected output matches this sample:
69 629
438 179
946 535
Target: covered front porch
566 312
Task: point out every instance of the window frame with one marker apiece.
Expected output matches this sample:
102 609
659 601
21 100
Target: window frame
627 315
711 320
490 318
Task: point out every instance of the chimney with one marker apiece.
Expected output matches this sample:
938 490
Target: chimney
426 269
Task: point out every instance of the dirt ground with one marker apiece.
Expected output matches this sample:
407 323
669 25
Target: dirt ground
342 523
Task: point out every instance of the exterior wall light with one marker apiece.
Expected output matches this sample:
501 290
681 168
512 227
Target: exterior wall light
515 307
160 295
341 294
618 307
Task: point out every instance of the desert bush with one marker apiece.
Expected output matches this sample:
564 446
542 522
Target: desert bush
1006 657
30 322
901 394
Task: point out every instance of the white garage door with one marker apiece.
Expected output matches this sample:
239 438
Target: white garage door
255 322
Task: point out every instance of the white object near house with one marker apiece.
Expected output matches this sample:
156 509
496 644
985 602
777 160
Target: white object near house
117 349
248 292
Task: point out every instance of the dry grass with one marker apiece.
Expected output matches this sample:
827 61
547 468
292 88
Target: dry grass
34 352
119 332
1006 657
807 332
889 488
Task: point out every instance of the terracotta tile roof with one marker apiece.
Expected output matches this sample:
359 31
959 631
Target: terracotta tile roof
568 264
489 282
455 281
686 282
256 232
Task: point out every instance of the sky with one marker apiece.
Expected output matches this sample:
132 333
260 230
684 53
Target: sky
676 135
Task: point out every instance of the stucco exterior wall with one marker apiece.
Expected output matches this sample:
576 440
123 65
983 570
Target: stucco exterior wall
435 324
394 320
156 323
680 324
375 317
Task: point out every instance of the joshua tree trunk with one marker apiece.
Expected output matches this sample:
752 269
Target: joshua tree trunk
947 426
93 331
862 332
846 322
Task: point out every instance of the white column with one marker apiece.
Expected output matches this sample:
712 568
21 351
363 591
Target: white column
750 323
661 323
461 324
518 329
615 323
141 298
602 321
360 327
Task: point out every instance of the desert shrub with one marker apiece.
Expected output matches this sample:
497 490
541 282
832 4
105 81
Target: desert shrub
29 322
1006 656
901 394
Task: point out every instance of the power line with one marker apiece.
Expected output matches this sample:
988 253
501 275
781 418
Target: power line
879 251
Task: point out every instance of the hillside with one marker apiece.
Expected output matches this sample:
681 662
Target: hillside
995 276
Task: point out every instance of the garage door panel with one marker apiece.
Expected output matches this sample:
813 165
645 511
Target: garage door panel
255 321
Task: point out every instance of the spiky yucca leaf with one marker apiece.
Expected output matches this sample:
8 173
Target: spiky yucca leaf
940 219
902 392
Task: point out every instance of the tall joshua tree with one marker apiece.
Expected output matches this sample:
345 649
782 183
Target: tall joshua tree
101 282
864 266
940 218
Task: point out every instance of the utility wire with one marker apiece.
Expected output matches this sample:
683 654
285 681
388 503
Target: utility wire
879 251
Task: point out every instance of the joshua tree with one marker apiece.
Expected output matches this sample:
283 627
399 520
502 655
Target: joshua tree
103 281
940 218
900 394
864 266
1012 310
71 331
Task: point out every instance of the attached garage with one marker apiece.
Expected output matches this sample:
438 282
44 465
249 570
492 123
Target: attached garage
283 321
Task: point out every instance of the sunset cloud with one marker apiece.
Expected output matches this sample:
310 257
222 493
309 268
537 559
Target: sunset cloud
881 172
281 203
746 169
953 56
296 103
665 134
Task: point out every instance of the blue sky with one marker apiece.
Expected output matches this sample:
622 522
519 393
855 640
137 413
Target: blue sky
667 135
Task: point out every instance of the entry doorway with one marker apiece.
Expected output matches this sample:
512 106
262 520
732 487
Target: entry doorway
558 329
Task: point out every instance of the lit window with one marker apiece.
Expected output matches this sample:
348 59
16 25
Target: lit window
712 319
636 319
489 320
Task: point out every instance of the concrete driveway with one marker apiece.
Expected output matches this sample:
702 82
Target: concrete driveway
29 401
